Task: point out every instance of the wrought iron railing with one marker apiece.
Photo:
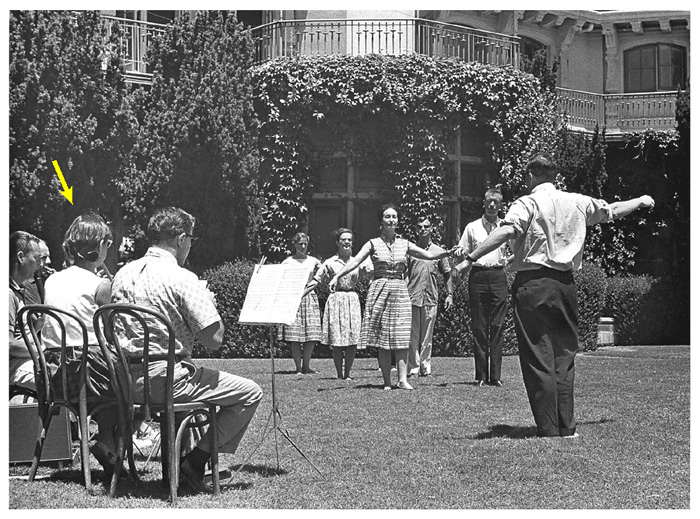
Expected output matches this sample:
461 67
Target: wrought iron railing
292 38
619 113
135 37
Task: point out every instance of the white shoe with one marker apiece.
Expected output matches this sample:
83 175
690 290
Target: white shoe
575 435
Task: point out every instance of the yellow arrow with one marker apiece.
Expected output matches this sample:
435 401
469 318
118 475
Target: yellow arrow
67 191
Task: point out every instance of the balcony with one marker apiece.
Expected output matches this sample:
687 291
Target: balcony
292 38
619 113
134 38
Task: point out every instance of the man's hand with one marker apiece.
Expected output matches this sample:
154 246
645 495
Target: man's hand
646 201
448 301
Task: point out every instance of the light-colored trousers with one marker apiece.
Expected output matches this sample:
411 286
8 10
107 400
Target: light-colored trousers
237 398
421 345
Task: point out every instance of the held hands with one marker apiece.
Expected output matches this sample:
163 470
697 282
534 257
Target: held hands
457 252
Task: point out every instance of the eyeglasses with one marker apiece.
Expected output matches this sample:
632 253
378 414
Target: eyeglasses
424 226
108 243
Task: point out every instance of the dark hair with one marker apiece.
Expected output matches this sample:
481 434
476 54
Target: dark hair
340 231
384 207
299 236
84 236
542 166
20 242
494 192
167 223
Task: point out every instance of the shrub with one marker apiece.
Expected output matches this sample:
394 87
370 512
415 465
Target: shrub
229 282
649 310
452 337
590 285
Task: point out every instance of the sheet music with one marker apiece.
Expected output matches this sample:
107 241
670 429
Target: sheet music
274 294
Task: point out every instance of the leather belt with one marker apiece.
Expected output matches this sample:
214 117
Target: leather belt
152 358
390 276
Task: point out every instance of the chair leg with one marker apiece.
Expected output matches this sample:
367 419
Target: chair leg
84 428
173 458
214 448
45 423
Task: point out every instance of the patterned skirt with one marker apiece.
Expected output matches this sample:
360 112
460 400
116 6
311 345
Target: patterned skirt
342 320
387 320
307 325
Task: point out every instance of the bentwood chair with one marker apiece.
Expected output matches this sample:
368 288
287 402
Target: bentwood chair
54 392
114 319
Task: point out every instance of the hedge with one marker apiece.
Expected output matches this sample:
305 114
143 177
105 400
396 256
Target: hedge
649 310
452 337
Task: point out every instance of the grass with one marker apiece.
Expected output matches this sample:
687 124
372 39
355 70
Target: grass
448 445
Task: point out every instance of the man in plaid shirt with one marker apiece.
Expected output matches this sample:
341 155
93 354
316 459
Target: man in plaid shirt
160 282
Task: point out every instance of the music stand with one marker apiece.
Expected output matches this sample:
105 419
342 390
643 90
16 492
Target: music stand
273 298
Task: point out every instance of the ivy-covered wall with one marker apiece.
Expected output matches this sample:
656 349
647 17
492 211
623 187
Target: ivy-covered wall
418 99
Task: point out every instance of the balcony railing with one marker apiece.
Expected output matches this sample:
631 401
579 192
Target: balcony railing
135 37
292 38
619 113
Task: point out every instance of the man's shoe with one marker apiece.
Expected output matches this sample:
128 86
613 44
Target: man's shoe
105 457
498 383
480 383
193 477
575 435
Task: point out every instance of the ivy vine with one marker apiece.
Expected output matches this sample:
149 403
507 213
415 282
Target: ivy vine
416 100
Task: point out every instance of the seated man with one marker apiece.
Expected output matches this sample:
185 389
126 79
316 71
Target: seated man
159 281
25 258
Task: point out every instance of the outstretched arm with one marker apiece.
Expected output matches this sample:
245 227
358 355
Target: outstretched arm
625 207
494 240
417 252
351 265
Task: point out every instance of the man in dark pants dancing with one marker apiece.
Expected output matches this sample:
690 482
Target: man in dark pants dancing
549 228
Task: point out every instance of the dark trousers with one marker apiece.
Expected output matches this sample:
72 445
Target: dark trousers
546 324
488 300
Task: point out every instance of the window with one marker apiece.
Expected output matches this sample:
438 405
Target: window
529 47
653 68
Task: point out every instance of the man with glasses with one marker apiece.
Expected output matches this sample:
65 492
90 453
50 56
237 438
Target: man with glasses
422 280
25 259
488 292
159 281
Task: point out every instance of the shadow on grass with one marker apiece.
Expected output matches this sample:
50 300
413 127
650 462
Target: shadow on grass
518 433
262 470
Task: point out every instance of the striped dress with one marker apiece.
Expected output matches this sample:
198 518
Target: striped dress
387 319
307 325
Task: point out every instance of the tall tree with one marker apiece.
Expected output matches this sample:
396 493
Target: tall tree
67 94
197 141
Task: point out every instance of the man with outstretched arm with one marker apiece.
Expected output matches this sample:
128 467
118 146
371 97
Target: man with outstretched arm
549 229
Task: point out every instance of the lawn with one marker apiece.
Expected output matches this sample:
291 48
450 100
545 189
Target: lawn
449 444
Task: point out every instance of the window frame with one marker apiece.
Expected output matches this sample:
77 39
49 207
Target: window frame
629 54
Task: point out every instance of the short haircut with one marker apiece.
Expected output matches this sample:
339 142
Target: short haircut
84 236
21 241
340 231
384 207
300 236
168 223
542 166
493 192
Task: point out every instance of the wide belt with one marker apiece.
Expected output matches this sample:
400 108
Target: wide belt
396 275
